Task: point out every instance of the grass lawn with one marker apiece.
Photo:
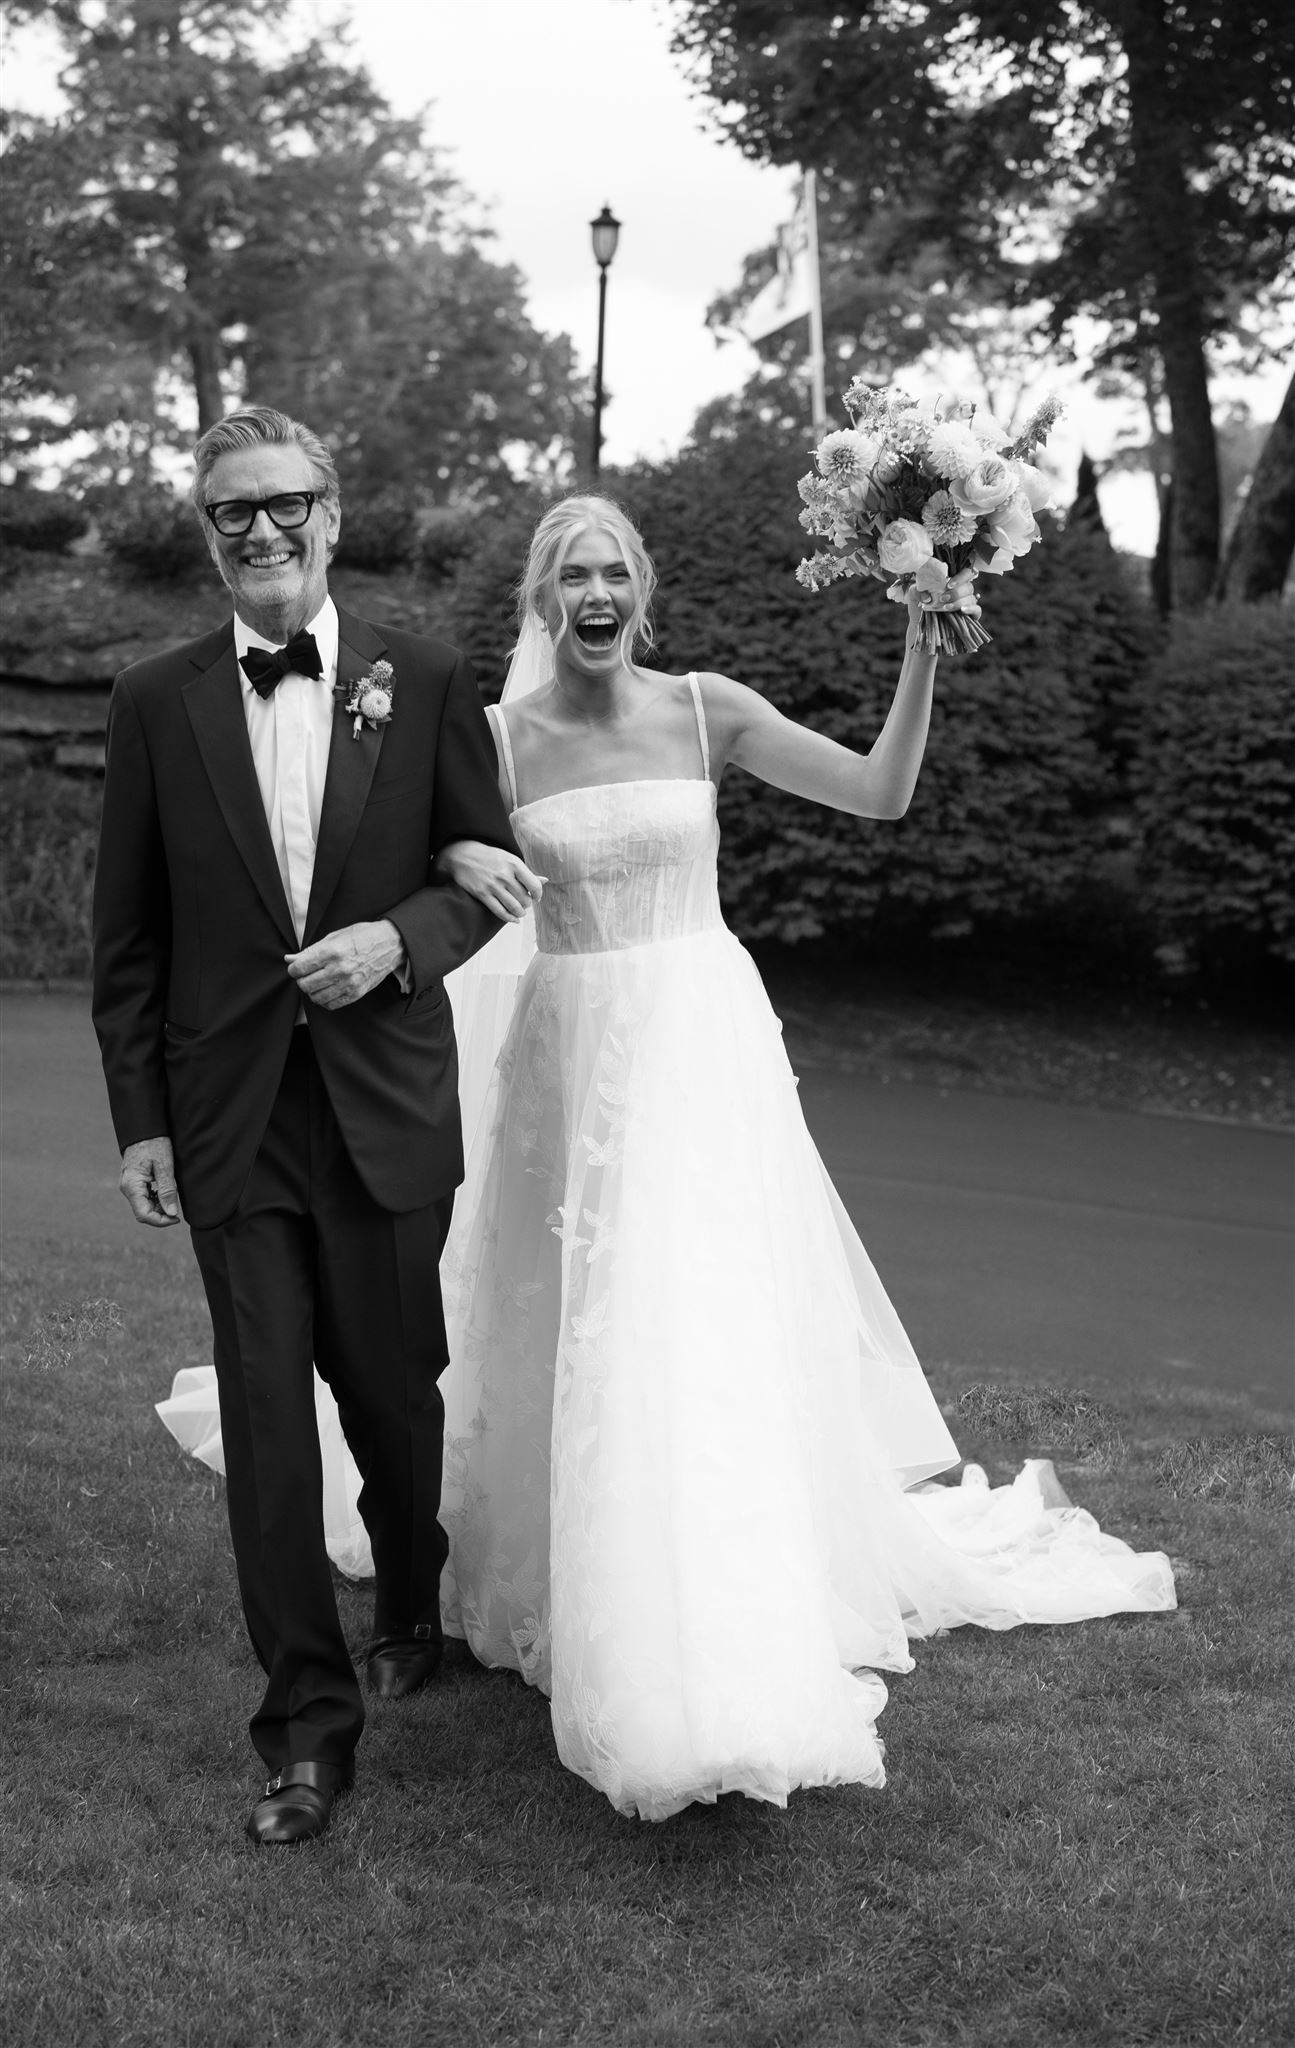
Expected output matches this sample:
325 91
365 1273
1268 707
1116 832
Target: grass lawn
1086 1836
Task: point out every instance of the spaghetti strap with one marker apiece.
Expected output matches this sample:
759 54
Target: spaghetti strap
495 713
702 733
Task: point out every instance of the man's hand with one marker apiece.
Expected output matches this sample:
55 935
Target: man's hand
343 967
148 1182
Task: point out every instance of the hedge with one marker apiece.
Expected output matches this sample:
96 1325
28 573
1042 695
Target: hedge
378 532
156 533
50 836
1008 822
1216 788
43 521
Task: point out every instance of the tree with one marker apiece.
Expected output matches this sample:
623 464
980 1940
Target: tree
424 374
214 195
1258 557
1131 159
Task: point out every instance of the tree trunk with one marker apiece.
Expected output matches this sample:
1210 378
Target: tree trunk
1161 594
204 358
1194 531
197 178
1167 210
1259 554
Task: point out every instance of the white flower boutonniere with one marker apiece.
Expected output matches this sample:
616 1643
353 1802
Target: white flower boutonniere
369 698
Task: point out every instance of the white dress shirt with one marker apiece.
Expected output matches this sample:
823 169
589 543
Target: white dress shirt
291 731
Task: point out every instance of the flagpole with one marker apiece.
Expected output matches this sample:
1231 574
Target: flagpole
817 363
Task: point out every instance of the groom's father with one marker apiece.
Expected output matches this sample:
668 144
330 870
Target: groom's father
269 955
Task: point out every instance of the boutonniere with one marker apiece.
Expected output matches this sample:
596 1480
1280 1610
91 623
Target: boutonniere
369 697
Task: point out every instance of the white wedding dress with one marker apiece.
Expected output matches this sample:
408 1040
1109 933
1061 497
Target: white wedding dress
681 1413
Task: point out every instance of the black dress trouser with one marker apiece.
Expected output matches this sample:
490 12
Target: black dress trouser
310 1271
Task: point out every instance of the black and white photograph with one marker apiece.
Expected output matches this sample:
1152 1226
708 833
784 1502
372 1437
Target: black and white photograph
647 673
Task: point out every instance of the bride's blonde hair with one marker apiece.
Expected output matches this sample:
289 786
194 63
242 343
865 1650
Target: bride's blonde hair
550 543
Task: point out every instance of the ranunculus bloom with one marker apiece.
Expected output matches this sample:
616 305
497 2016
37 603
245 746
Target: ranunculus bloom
984 488
1013 528
1035 486
904 546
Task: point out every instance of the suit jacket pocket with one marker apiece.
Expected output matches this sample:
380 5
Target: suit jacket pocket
181 1033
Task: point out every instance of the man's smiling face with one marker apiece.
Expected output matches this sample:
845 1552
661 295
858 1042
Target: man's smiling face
278 580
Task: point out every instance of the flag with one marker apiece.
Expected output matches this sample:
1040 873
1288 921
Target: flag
789 294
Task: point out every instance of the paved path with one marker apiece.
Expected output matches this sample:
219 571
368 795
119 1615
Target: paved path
1076 1245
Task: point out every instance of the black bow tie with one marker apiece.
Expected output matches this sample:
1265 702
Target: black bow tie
264 666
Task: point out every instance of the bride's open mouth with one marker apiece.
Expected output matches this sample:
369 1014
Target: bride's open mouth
597 630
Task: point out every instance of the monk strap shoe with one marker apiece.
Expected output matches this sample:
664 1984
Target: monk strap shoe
298 1802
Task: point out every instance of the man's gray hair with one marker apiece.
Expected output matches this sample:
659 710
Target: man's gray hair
253 427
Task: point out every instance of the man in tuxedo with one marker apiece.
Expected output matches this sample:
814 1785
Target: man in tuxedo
270 944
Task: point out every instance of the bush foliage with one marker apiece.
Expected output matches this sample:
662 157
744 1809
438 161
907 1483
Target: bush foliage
43 521
481 614
50 838
378 532
1074 726
1216 798
156 534
1006 825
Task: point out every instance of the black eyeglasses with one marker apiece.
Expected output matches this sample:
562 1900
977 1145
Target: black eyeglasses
236 516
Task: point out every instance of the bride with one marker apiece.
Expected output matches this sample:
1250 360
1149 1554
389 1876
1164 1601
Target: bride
688 1444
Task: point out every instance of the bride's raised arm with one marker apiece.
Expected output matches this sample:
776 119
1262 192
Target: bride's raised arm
747 731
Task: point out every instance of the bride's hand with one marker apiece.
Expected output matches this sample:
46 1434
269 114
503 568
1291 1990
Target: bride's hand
496 878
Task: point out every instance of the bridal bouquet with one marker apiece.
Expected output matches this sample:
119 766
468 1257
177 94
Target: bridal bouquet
929 494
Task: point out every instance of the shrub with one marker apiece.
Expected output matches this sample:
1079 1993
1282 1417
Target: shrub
44 521
1005 826
1027 739
378 532
481 601
445 539
156 533
50 837
1216 799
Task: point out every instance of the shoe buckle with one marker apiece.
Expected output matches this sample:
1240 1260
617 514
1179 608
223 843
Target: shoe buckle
423 1632
273 1785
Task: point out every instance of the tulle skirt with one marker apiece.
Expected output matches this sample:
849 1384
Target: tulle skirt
682 1414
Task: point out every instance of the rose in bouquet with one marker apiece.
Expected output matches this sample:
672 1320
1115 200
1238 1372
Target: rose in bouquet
925 496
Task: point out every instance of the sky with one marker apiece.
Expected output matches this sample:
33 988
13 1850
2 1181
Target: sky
548 109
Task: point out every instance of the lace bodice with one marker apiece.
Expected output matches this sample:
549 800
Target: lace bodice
627 863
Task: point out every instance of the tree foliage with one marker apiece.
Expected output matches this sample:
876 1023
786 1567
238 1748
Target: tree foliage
1129 159
224 209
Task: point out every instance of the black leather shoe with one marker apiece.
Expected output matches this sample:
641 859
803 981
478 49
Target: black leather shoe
401 1665
298 1802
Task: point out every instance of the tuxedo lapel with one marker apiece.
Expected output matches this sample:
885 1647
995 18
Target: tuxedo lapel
214 702
352 762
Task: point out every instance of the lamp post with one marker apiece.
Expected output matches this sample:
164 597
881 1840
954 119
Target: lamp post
605 232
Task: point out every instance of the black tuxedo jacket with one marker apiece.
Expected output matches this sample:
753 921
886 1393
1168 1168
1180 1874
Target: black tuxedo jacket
193 1004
